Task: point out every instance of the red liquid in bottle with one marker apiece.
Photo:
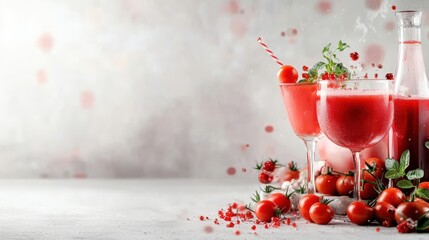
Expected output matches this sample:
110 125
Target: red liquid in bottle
411 131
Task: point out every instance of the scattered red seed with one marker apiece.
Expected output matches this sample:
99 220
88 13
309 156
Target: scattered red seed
288 221
269 129
305 76
253 227
243 169
231 171
238 222
304 68
208 229
376 75
216 221
389 76
230 225
366 76
294 225
393 7
283 34
237 232
202 218
354 56
266 226
377 229
234 205
380 66
294 31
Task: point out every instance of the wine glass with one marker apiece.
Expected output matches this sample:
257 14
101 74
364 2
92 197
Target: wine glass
300 102
355 114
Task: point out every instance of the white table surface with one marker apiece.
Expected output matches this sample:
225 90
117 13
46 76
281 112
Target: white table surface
146 209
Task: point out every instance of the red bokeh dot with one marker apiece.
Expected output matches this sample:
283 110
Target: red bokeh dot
243 169
232 7
45 42
374 53
41 76
294 31
373 4
389 26
231 171
208 229
87 99
237 232
324 7
283 34
269 129
393 7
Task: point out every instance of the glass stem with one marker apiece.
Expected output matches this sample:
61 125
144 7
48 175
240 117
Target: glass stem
358 175
311 155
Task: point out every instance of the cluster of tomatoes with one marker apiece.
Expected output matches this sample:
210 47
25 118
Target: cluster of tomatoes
392 208
338 184
268 167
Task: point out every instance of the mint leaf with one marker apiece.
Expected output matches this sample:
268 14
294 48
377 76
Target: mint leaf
423 193
342 45
405 160
415 174
405 184
423 222
392 174
391 163
326 48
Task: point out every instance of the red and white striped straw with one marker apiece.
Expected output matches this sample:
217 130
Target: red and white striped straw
269 52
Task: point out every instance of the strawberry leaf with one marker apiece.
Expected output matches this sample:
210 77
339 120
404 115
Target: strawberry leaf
391 163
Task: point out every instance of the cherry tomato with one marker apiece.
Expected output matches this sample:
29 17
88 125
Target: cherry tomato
392 195
265 210
265 177
269 166
377 168
321 213
305 203
290 175
281 201
422 201
359 213
424 185
385 213
287 74
326 184
345 185
413 210
368 192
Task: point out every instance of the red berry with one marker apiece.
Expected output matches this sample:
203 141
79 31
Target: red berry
325 76
305 76
354 56
265 177
389 76
269 166
304 68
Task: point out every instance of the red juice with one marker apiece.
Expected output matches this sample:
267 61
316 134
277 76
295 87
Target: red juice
411 131
300 102
355 121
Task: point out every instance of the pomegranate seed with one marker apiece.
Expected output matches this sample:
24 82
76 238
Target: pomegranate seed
288 221
294 225
227 219
243 170
230 225
253 227
380 66
266 226
202 218
304 68
376 75
389 76
234 205
325 76
372 64
332 76
354 56
393 7
366 76
237 232
238 221
305 76
377 229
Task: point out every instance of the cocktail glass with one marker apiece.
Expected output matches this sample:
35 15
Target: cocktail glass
355 114
300 103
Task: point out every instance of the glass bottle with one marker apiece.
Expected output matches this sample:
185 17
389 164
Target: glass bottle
410 128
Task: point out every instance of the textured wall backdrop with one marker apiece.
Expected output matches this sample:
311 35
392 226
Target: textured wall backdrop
150 88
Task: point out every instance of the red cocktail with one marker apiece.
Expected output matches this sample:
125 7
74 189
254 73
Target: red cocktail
300 103
355 114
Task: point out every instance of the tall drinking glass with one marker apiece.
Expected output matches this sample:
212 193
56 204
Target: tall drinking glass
355 114
300 103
